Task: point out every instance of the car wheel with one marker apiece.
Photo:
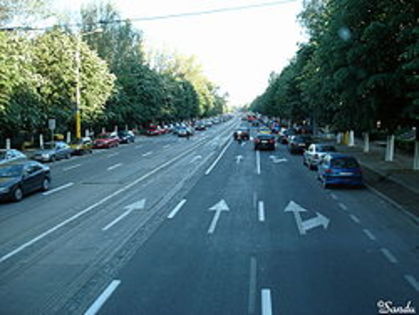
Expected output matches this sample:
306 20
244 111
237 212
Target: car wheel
45 184
17 194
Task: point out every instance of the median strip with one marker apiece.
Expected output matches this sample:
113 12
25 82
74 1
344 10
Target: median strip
49 192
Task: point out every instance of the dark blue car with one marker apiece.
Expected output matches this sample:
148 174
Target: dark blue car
339 169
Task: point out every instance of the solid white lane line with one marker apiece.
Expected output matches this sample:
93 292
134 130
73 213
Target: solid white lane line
258 162
412 281
110 168
390 257
49 192
266 302
370 235
343 206
261 207
95 205
71 167
334 196
176 209
148 153
209 170
354 218
252 286
95 307
112 155
117 219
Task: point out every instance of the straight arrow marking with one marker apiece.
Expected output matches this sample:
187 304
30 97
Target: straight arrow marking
134 206
218 208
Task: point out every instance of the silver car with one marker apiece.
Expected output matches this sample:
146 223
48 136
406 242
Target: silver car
315 153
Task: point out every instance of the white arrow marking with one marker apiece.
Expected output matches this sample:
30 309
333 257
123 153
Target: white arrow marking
243 143
218 208
303 227
296 209
320 220
196 158
139 205
239 158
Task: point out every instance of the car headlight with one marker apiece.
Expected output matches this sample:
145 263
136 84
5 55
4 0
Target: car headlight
45 155
4 190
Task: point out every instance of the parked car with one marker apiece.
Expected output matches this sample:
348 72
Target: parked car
7 155
21 177
154 131
339 169
200 126
126 136
264 141
315 153
82 146
58 150
106 140
297 144
185 132
243 133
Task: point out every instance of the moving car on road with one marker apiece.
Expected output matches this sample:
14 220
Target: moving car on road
106 140
339 169
19 178
285 135
315 153
82 146
264 141
126 136
242 133
58 150
297 144
8 155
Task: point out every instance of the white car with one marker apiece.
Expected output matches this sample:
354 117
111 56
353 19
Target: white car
315 153
7 155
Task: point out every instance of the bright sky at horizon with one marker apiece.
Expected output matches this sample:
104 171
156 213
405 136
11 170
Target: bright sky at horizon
238 49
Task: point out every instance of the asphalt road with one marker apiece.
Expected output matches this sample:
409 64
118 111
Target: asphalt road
202 226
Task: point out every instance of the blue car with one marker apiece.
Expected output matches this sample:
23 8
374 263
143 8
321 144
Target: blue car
340 169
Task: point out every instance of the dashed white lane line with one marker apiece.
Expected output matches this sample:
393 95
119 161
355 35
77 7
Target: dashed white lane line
110 168
112 155
266 302
252 286
369 234
412 281
209 170
343 206
176 209
71 167
148 153
261 207
49 192
334 196
258 162
95 307
390 257
355 218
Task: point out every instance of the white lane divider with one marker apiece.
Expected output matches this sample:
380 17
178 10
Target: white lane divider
343 206
96 306
355 218
258 162
148 153
261 207
412 281
110 168
209 170
176 209
49 192
266 302
71 167
369 234
112 155
334 196
390 257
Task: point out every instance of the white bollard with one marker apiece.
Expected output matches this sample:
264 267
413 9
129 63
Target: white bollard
366 142
416 157
8 145
339 137
103 130
116 129
87 133
351 138
68 136
126 127
41 141
389 157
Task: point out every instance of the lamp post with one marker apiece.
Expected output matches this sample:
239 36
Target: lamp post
78 66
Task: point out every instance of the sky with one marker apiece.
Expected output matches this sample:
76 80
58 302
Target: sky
238 50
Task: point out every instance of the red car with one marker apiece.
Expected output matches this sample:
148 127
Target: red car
154 131
106 140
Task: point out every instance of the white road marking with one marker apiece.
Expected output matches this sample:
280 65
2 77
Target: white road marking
110 168
176 209
252 285
354 218
369 234
343 206
95 307
209 170
166 146
390 257
49 192
334 196
258 162
412 281
148 153
93 206
261 207
195 158
218 208
112 155
117 219
71 167
266 302
255 198
243 143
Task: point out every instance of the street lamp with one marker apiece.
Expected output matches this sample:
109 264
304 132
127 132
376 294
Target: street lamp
78 66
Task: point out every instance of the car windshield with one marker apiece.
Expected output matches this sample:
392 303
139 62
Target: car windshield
11 171
344 163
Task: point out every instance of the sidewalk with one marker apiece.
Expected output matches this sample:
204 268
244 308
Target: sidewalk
394 181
